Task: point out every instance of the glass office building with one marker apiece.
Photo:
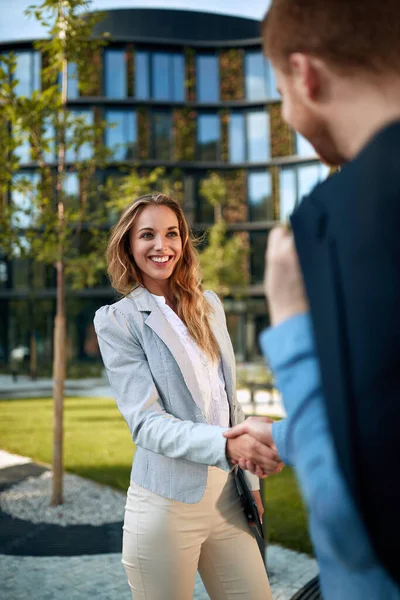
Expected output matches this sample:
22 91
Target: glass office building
191 92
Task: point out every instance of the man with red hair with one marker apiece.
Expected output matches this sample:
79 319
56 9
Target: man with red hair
333 288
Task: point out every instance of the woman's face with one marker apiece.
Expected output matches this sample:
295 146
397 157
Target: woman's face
156 243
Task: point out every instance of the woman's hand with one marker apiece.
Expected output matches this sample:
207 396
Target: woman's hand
246 447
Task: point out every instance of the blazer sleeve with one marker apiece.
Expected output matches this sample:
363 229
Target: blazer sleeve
252 480
137 398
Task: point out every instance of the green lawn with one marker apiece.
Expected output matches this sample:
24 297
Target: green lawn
98 446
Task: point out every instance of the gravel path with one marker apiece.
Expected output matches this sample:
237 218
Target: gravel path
98 577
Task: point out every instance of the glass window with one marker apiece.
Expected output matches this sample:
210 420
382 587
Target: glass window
162 135
260 196
49 137
122 137
161 76
83 151
237 333
288 193
208 136
272 90
24 187
204 210
255 76
23 150
71 190
207 78
73 91
142 80
168 76
258 136
296 182
237 138
309 176
178 77
258 245
3 273
115 76
27 72
303 146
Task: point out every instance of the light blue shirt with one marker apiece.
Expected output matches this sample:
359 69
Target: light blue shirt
349 569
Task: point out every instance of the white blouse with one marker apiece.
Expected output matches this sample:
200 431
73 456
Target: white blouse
209 374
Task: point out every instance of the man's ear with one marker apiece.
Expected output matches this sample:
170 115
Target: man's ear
306 76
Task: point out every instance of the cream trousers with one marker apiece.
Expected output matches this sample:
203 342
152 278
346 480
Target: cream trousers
165 542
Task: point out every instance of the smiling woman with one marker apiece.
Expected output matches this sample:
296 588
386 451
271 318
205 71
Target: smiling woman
170 363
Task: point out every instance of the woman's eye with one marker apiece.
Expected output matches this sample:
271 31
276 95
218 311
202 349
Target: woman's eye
146 235
173 234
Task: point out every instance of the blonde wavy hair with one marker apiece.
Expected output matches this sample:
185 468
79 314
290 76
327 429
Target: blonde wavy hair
185 281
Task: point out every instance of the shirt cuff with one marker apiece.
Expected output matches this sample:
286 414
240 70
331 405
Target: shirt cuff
288 341
279 433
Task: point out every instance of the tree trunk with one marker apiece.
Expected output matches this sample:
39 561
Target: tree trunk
58 387
60 321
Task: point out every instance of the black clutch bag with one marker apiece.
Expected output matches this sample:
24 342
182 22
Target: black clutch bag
247 500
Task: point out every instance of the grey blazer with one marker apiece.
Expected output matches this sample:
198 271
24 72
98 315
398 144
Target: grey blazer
158 395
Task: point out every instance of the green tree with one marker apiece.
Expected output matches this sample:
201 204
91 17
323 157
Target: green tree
224 260
39 218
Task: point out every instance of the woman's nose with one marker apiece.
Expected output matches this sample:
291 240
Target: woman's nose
160 242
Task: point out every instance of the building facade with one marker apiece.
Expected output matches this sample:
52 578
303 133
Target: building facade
191 92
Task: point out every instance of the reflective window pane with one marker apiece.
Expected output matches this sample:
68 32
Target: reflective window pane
178 68
296 182
309 177
73 91
208 136
49 140
84 150
162 135
255 77
258 136
71 190
23 150
303 146
207 78
121 138
288 193
272 90
142 80
115 76
27 72
260 196
204 210
161 76
237 138
24 189
168 76
36 69
258 245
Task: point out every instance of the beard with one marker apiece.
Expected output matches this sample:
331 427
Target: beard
324 145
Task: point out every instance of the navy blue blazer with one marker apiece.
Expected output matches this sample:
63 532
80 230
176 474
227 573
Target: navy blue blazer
347 233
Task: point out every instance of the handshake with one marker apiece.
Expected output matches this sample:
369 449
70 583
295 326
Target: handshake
251 446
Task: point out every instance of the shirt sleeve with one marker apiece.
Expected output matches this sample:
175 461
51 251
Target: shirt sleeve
305 439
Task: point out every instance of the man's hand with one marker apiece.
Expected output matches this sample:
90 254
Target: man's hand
283 281
248 448
259 428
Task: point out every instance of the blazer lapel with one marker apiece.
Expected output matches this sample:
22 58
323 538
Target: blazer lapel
227 356
161 327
